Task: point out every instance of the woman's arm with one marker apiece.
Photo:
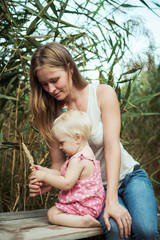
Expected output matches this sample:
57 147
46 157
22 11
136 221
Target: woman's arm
66 182
57 156
109 106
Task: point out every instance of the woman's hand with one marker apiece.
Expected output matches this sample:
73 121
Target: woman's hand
34 188
37 187
121 216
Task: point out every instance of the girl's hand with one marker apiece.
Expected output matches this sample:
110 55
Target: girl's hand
38 175
122 217
37 167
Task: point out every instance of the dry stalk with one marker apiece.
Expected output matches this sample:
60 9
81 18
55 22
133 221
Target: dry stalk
29 156
15 137
31 161
18 197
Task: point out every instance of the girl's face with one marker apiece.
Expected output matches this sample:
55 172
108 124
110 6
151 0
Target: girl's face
55 81
67 144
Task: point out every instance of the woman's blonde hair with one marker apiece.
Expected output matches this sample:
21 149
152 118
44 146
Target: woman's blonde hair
73 122
43 106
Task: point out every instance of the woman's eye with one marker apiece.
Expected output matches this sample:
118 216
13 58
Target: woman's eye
54 80
44 84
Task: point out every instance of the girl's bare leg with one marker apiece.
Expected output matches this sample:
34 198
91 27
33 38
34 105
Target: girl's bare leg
56 216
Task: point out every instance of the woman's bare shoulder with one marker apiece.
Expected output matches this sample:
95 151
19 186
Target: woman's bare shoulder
105 94
104 88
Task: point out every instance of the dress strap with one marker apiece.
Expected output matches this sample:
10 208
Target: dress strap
81 156
65 167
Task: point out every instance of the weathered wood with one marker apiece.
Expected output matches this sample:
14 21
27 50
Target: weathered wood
22 214
33 225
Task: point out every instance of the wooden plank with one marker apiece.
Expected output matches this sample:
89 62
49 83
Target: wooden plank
41 233
48 232
23 214
34 225
24 223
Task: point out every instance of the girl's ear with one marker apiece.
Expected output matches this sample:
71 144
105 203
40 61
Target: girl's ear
78 138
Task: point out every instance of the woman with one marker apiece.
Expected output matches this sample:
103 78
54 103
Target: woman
130 202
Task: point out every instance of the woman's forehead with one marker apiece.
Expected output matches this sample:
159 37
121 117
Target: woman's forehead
49 72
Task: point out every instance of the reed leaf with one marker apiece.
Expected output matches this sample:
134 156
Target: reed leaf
135 114
138 100
7 97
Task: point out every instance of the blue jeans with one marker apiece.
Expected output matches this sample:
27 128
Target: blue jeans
136 194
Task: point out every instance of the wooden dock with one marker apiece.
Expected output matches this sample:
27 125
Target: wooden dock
33 225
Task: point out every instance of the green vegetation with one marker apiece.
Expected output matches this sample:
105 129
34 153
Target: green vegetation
91 37
140 123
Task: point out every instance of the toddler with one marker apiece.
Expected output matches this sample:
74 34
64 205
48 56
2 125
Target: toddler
82 196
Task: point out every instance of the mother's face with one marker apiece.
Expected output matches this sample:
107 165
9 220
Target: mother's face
55 81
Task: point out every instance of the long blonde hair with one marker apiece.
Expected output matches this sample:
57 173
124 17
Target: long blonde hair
43 106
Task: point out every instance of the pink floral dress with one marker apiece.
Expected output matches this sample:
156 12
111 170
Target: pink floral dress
87 196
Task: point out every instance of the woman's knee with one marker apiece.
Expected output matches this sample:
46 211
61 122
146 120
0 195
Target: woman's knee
114 229
145 228
146 234
114 233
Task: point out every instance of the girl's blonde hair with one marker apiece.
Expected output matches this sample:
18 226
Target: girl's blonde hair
73 122
43 106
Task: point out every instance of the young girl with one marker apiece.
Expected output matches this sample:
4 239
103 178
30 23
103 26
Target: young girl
81 198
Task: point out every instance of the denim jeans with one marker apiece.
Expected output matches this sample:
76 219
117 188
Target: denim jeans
136 194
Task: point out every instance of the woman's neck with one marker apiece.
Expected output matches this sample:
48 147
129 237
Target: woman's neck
78 99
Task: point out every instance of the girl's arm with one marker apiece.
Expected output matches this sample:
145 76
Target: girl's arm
57 159
48 170
72 174
109 106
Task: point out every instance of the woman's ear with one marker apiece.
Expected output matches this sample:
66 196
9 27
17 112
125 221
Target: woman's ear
78 138
71 70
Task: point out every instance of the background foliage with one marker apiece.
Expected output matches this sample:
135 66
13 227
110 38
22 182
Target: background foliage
98 43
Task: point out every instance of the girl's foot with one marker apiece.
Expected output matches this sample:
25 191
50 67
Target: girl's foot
90 221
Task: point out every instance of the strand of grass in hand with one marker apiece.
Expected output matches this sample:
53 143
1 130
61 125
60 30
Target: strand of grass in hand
29 156
31 161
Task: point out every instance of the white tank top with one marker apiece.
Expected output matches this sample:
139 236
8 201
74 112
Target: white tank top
96 139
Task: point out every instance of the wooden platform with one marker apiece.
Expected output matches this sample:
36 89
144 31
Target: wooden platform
33 225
